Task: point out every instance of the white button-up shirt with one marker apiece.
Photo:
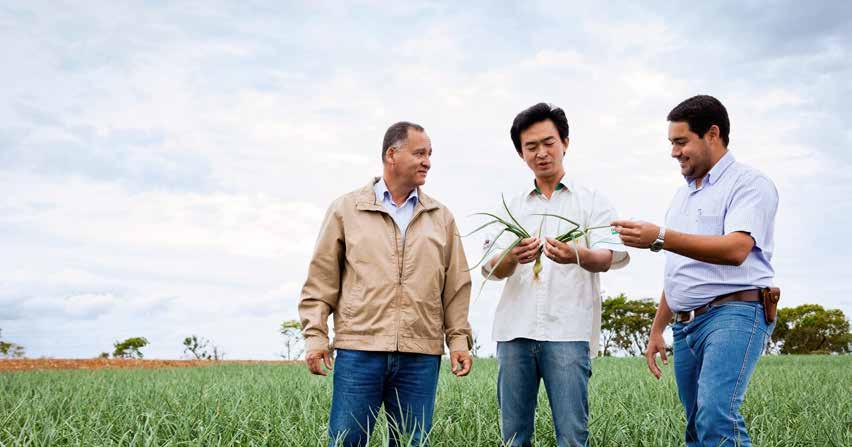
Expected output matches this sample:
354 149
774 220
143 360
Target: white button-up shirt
564 303
732 197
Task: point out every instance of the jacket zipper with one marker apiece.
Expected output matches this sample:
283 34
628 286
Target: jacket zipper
399 278
401 266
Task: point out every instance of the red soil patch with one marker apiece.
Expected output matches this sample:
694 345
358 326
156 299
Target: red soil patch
47 363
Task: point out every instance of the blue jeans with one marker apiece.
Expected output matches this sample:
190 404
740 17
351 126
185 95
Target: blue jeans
714 357
364 381
565 368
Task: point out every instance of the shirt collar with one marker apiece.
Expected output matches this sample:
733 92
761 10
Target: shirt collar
716 171
382 192
559 186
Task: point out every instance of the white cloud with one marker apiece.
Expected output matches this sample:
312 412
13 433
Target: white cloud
88 306
171 180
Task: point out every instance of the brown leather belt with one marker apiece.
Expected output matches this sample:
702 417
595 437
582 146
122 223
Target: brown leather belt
743 295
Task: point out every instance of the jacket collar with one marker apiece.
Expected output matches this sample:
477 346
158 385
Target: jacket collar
367 199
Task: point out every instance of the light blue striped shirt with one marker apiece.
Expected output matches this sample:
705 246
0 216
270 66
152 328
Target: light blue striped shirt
400 214
732 197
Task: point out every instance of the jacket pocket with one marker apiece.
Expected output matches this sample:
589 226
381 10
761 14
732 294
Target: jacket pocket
352 297
425 315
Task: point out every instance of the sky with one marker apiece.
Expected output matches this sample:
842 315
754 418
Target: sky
165 166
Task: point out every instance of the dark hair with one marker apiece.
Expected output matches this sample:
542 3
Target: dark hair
536 114
701 112
396 134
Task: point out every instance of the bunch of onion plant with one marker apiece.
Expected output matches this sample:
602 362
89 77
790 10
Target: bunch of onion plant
511 226
574 234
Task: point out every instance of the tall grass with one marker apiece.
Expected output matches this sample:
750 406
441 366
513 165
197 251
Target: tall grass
792 401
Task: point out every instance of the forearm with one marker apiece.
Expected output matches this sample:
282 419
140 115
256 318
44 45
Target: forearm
662 317
595 260
504 270
731 249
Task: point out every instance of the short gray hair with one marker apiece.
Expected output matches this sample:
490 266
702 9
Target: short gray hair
396 135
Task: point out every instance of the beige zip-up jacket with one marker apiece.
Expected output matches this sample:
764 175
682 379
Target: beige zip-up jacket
387 292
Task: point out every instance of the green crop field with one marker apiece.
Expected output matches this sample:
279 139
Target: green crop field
792 401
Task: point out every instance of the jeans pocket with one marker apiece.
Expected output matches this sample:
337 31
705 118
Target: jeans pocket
745 308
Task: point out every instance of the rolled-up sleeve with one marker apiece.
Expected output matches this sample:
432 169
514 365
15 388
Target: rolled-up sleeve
494 242
321 291
752 208
602 214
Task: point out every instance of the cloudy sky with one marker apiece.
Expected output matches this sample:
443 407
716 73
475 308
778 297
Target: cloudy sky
164 167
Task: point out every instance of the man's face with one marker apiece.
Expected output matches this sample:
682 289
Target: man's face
542 149
411 161
690 150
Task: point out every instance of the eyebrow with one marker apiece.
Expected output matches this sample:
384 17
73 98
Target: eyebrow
540 141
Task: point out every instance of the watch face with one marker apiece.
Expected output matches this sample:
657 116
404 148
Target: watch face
657 245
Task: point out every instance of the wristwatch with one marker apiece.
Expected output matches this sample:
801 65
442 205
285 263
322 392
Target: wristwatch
657 245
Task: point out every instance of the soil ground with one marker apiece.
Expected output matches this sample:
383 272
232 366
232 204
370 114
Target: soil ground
49 363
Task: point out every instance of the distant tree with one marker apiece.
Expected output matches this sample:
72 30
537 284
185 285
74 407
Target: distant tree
292 332
103 355
130 348
198 347
811 329
612 310
217 353
625 324
476 346
10 350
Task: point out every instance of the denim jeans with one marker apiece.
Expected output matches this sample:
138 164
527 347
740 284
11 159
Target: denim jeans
364 381
714 357
565 368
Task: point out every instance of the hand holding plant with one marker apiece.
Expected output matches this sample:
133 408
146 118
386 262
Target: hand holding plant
527 251
561 252
526 248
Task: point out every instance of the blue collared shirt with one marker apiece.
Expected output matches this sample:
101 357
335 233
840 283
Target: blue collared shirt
400 214
732 197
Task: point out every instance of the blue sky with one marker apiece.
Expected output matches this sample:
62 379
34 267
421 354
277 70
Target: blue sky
165 166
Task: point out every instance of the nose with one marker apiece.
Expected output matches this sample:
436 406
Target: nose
676 152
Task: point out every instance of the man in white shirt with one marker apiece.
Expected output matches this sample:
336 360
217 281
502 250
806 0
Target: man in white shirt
547 326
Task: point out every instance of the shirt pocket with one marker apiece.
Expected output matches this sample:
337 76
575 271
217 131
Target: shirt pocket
710 225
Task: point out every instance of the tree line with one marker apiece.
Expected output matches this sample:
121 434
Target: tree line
804 329
626 323
194 346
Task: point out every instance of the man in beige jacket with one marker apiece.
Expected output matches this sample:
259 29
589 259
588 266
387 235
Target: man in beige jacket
390 267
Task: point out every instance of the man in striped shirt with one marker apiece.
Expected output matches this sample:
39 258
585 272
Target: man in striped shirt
719 240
